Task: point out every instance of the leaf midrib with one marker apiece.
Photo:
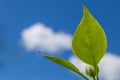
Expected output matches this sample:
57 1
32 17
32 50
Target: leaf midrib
88 30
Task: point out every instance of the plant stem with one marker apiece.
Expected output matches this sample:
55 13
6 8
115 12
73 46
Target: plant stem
94 78
82 75
97 77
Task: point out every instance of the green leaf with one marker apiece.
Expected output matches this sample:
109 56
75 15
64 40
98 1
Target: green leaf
66 64
89 42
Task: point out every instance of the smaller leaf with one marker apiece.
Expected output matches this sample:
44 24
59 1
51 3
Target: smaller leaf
66 64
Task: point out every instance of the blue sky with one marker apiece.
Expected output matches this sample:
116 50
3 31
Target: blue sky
16 63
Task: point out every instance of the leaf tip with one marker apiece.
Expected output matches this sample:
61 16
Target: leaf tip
84 8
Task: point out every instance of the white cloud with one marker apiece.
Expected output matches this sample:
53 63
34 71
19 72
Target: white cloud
109 66
40 37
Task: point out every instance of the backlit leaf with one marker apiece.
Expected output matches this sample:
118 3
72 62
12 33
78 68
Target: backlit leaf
89 42
66 64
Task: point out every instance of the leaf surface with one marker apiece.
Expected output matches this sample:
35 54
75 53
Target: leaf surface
66 64
89 42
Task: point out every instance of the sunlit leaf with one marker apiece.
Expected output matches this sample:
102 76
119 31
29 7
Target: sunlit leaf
89 42
66 64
